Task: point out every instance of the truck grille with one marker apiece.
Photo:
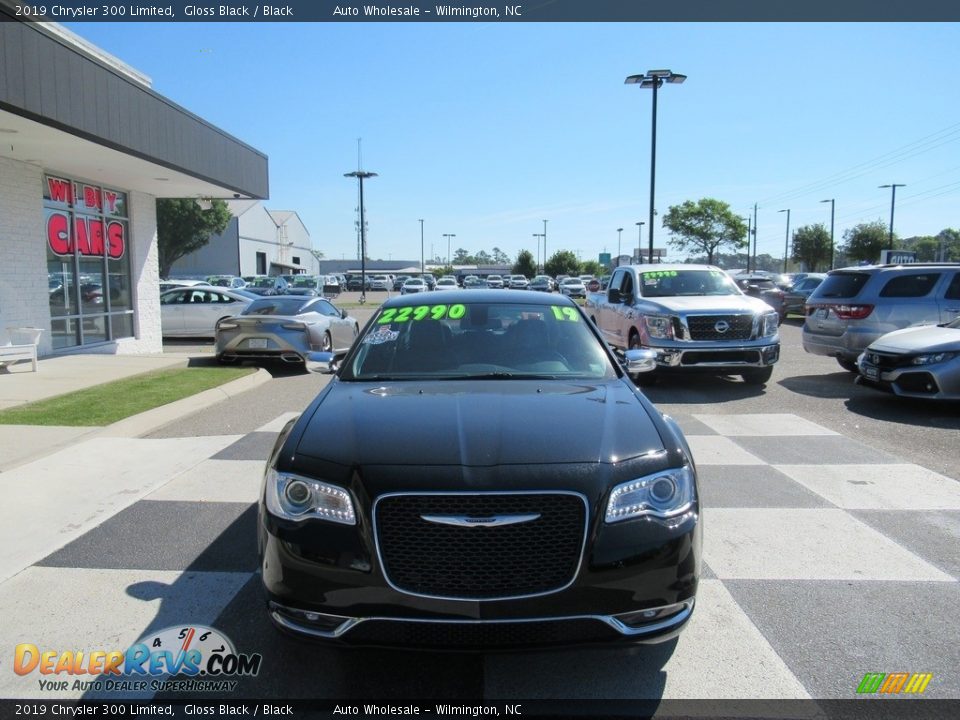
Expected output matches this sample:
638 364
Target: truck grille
480 562
705 327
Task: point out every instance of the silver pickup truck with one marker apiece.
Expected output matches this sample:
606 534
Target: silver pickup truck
694 316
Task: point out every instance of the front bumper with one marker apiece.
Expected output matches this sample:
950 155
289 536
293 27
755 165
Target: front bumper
936 381
636 583
716 359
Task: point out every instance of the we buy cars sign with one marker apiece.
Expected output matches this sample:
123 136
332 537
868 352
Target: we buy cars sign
88 235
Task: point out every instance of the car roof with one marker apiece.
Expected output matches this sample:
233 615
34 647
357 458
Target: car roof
520 297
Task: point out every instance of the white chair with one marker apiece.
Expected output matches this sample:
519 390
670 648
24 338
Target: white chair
21 346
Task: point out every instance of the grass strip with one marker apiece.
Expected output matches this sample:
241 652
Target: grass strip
107 403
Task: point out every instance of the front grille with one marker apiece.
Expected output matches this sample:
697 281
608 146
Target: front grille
478 562
889 362
480 635
704 327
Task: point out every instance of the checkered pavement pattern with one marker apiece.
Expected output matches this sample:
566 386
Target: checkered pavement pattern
824 559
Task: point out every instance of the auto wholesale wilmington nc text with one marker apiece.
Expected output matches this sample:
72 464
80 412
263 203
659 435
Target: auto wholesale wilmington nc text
453 11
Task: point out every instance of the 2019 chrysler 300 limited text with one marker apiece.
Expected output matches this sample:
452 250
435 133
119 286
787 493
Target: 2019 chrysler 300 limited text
480 473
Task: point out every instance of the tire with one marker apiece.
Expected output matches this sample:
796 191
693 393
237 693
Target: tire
326 345
848 365
758 377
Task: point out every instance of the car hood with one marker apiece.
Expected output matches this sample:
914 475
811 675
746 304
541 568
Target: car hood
926 338
479 423
710 303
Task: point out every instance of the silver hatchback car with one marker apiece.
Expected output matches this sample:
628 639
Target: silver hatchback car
854 306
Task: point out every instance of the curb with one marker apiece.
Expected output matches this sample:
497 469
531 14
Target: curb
150 420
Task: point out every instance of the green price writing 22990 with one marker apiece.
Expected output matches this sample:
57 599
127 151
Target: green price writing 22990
422 312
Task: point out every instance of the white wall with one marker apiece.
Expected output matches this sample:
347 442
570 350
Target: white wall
24 297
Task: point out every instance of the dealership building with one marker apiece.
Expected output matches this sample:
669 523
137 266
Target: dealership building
86 148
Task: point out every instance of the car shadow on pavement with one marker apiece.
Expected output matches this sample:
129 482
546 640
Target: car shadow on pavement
829 385
906 411
700 389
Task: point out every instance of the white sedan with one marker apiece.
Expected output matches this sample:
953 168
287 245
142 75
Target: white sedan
195 311
446 283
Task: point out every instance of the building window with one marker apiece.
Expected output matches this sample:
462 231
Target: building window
261 263
296 259
88 262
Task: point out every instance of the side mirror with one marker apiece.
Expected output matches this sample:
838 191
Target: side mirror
613 296
324 363
640 361
343 312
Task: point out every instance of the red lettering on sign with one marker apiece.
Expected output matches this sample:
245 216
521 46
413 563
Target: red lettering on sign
91 196
111 198
58 236
115 240
60 190
81 235
96 237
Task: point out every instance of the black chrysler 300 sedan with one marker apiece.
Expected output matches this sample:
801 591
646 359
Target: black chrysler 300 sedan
481 473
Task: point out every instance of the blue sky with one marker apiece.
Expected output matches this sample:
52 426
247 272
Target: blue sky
486 129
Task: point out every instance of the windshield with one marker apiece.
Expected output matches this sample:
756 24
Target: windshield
263 282
674 283
478 341
305 282
278 306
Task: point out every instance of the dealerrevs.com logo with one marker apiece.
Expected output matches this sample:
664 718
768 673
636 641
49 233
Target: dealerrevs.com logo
191 658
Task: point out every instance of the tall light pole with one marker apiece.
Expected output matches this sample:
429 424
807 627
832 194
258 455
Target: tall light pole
619 233
421 247
639 240
362 175
754 237
538 236
893 199
448 236
786 241
653 79
832 208
544 245
749 221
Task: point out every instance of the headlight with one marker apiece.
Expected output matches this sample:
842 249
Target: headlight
933 358
297 498
659 326
662 495
770 322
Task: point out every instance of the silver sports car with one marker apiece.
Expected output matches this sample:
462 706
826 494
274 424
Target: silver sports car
285 328
922 362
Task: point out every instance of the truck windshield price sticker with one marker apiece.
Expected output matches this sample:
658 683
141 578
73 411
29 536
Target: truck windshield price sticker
657 274
422 312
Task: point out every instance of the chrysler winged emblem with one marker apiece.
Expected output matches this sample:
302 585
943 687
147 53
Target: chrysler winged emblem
489 521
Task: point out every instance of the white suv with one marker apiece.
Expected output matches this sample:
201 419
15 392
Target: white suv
854 306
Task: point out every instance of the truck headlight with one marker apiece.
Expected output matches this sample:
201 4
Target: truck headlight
659 326
933 358
297 498
770 322
663 494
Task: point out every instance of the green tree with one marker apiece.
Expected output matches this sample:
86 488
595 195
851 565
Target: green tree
462 257
950 240
592 267
439 272
865 241
182 228
704 226
500 257
811 246
525 264
484 258
562 262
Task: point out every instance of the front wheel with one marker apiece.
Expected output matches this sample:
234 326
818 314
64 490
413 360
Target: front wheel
326 343
758 377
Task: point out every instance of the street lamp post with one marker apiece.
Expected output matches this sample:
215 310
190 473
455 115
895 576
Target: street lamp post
832 208
786 240
544 244
619 233
653 79
538 236
893 199
362 175
448 236
421 247
749 221
639 240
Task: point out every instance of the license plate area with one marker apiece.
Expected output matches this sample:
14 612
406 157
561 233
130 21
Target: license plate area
257 343
870 372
